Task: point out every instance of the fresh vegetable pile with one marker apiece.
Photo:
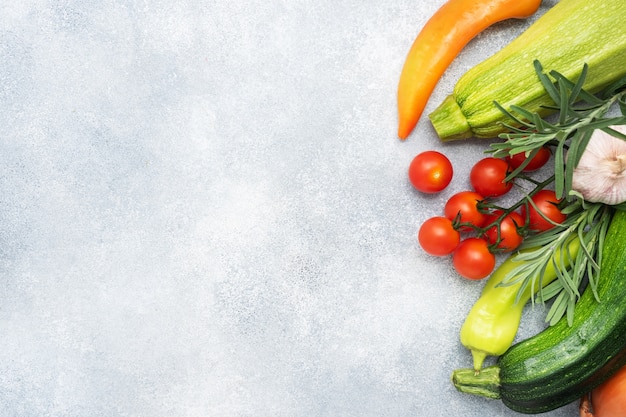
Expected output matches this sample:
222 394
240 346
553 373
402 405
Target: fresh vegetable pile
559 142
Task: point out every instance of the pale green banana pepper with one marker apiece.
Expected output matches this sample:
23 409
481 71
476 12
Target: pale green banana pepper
492 323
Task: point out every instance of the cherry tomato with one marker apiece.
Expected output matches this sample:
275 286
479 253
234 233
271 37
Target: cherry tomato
438 237
487 177
465 205
510 239
472 258
608 399
540 159
430 172
546 203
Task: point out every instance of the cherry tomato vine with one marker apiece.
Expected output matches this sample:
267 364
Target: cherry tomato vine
473 227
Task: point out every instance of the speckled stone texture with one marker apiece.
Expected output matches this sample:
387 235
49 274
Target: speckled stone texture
204 212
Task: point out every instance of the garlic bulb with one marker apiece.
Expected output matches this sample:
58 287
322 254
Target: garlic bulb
601 173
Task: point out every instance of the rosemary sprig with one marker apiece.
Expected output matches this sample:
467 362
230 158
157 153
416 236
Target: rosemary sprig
579 115
586 222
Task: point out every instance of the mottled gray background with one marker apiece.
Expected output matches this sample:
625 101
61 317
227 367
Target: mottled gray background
204 211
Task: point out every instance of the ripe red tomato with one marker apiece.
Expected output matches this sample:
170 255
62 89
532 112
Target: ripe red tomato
438 237
510 239
465 205
546 203
430 172
540 159
472 258
608 399
487 177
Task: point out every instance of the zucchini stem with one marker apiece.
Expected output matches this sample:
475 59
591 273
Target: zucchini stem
485 382
449 121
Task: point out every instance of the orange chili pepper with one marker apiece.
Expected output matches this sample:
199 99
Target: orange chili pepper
442 38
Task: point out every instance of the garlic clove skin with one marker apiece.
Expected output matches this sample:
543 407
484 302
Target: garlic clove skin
600 176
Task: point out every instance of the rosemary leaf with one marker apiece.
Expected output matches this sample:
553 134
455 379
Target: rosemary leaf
577 89
559 167
614 132
557 310
569 312
564 101
577 147
549 291
546 82
614 88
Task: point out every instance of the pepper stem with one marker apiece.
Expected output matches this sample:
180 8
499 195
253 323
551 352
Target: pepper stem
478 357
485 383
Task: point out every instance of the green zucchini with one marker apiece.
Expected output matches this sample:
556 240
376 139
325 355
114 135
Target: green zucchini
570 34
561 363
